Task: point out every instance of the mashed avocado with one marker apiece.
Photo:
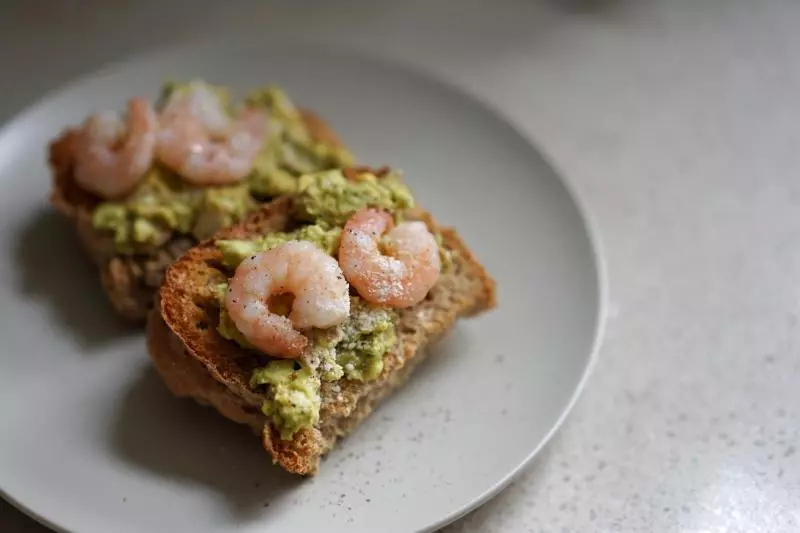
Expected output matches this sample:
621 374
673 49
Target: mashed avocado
322 352
294 395
329 197
163 203
236 251
352 350
290 149
365 337
355 348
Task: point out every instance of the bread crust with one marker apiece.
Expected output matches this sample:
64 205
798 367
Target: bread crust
130 281
196 361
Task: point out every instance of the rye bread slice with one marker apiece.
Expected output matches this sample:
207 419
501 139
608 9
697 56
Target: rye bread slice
130 281
196 361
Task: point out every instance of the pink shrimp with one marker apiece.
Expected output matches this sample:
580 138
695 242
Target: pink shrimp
201 143
111 157
408 270
321 296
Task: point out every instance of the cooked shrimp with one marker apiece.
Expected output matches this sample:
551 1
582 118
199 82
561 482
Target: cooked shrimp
321 296
112 156
201 143
404 275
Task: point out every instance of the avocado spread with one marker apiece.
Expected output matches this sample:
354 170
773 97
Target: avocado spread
164 204
363 339
290 150
354 349
235 251
295 399
328 197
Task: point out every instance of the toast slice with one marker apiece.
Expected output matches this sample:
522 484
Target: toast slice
130 281
197 362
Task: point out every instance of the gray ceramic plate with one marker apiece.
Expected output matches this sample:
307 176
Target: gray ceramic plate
92 441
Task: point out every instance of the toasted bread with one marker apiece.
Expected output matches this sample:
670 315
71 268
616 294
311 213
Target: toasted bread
130 281
196 361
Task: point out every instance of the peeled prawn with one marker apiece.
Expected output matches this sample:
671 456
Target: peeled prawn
199 141
387 265
111 156
321 296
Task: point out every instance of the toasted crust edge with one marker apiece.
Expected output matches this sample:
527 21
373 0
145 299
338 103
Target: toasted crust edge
130 282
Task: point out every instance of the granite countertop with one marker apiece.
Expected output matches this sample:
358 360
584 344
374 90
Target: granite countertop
677 123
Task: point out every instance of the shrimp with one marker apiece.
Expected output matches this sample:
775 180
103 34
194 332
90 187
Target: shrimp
111 156
404 275
201 143
321 296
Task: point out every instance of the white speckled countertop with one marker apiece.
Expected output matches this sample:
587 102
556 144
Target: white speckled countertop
678 124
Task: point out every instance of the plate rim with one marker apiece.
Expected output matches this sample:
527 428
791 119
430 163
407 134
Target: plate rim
417 70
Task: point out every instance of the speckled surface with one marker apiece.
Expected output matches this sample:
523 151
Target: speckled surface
677 123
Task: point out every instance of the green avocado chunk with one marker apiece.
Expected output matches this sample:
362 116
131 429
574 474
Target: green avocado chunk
329 197
366 336
294 396
236 251
290 149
